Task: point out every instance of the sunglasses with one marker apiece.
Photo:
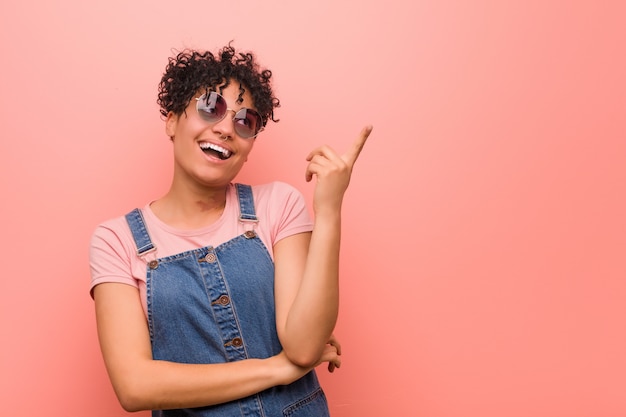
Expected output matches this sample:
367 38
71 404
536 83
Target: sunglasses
212 108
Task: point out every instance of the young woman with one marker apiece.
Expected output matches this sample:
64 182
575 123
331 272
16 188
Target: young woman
220 299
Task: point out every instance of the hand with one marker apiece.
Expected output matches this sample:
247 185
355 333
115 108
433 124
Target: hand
333 171
336 363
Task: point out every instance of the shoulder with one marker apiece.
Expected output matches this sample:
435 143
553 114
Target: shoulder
114 225
282 209
113 235
276 191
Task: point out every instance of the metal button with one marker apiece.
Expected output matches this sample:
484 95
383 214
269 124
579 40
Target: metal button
250 234
223 300
153 264
210 257
235 342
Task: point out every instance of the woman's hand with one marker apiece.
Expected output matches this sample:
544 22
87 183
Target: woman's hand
333 346
333 172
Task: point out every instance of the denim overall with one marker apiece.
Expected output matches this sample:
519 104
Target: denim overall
216 304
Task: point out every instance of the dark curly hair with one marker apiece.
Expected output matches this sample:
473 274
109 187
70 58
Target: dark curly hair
191 71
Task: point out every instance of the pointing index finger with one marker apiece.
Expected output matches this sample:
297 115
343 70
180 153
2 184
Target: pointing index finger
352 155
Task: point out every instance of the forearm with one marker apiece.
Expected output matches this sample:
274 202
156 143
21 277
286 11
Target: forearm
313 313
156 385
142 383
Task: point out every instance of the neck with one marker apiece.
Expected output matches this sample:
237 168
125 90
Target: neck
190 208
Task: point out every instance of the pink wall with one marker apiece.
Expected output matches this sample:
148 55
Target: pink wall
484 267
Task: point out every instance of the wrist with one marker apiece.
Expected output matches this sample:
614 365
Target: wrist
328 213
282 370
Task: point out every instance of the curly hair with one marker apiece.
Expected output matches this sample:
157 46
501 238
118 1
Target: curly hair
190 71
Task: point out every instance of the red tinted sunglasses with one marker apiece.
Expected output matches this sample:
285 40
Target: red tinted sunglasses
212 107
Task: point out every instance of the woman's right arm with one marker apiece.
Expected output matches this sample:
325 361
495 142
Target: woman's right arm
142 383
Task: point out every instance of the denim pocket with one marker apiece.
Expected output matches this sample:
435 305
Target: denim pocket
313 405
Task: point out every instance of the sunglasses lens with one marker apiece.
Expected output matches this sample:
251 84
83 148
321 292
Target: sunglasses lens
212 108
247 123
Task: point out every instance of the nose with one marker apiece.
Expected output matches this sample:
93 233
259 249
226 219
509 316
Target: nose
225 127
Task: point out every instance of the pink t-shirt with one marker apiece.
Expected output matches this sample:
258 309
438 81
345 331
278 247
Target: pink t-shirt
280 209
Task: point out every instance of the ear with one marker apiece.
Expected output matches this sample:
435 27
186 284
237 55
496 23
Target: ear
170 124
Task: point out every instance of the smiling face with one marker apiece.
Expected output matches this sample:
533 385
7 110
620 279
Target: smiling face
209 154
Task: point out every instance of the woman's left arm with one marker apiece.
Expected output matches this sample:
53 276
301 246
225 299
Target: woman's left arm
307 264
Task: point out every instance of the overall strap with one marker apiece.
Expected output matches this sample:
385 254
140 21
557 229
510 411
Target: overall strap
140 233
246 203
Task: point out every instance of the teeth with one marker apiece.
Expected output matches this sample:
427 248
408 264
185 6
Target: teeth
225 152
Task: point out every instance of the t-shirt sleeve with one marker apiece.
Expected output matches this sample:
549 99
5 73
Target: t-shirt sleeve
288 212
109 256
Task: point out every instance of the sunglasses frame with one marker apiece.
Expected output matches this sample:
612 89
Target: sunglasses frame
204 98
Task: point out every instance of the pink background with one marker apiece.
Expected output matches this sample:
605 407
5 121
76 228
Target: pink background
484 267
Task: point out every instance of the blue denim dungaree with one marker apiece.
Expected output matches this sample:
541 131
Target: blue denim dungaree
216 304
